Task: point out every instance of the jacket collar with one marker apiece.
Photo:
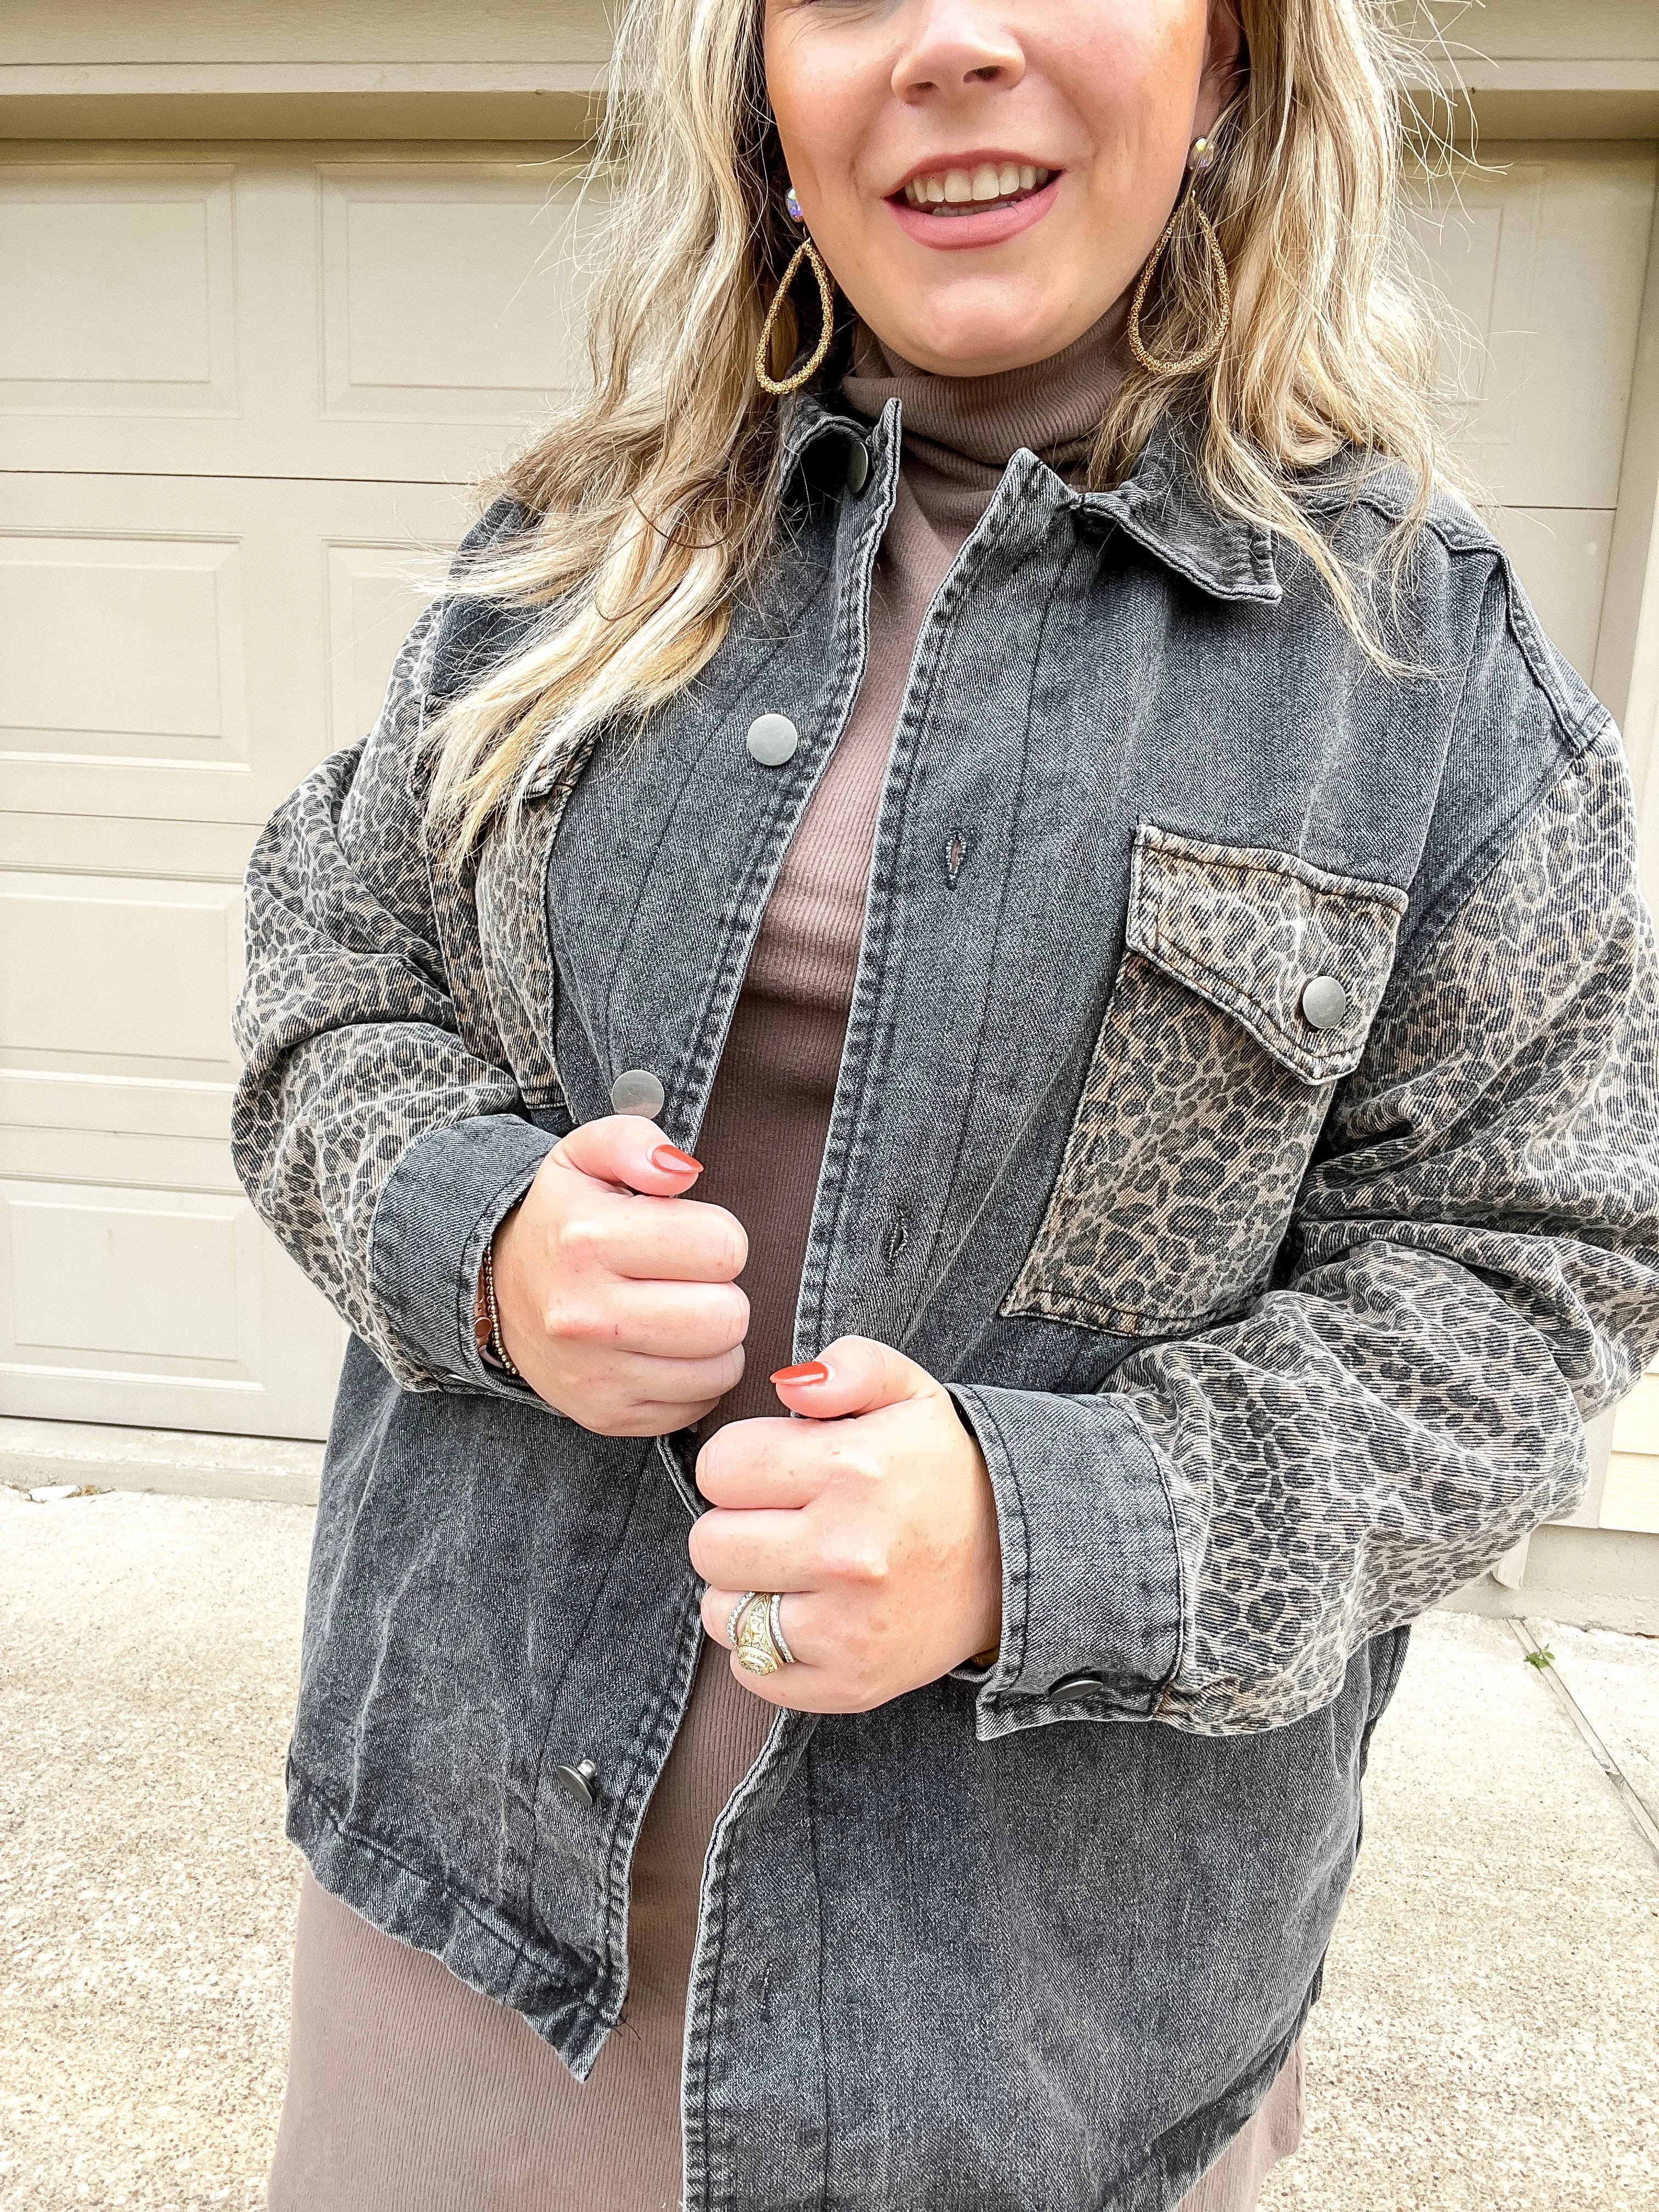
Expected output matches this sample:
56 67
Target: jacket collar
1161 505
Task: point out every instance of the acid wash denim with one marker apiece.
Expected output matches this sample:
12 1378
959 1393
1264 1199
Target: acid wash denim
1277 1311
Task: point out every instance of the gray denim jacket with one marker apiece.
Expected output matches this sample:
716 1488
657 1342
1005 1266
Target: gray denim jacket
1250 1106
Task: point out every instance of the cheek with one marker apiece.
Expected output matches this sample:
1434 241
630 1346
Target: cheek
1135 76
829 81
818 110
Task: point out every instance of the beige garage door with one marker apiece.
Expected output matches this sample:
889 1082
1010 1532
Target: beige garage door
1542 258
237 388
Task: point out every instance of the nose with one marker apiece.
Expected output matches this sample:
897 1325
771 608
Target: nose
954 47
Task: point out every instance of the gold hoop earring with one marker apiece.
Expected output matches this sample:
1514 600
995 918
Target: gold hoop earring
808 252
1201 157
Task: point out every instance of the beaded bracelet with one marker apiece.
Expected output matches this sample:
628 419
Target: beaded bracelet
496 1350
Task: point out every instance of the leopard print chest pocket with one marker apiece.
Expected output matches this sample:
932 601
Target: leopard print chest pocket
1249 981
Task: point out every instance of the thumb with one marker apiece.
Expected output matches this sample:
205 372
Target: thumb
854 1375
628 1153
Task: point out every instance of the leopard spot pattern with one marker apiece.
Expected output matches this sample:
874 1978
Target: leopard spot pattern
1181 1170
1208 1089
348 1025
1481 1245
1466 1437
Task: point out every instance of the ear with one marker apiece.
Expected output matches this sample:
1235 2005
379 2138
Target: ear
1226 65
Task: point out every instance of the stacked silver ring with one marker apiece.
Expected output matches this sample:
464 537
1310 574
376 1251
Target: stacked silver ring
755 1626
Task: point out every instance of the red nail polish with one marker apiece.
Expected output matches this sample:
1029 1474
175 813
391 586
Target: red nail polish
810 1370
672 1161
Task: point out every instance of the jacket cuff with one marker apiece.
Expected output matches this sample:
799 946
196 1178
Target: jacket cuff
1092 1600
440 1207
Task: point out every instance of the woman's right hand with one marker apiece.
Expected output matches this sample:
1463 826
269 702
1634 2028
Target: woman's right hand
616 1294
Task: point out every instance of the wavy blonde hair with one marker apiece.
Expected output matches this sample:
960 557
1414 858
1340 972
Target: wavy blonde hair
656 497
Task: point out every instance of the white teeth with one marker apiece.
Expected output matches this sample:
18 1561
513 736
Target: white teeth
989 181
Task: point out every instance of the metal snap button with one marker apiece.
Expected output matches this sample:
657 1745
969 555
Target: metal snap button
637 1091
858 466
1324 1002
772 739
580 1781
1080 1690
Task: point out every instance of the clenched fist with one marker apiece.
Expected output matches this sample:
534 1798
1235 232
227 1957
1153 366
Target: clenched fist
874 1514
616 1293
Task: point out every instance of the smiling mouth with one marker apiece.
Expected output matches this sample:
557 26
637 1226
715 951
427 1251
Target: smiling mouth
973 191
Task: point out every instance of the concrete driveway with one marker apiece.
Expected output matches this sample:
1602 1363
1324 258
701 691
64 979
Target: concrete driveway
1486 2041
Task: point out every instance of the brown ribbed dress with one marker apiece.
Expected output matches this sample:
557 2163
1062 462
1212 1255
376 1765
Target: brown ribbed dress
407 2091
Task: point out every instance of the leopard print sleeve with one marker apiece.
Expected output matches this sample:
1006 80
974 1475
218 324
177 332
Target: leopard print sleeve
1473 1271
355 1041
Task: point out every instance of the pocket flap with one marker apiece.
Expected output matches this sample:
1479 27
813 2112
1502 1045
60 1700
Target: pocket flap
1250 929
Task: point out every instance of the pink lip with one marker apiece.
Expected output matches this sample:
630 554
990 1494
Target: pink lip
954 232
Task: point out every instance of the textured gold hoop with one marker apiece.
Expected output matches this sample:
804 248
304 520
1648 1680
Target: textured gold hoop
809 253
1201 356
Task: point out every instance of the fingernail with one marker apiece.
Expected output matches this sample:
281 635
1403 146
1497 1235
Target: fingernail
810 1370
672 1161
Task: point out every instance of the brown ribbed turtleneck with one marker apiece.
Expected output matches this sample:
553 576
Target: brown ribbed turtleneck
408 2091
763 1135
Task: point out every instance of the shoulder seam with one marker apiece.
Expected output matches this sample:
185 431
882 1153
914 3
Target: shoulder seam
1466 881
1579 726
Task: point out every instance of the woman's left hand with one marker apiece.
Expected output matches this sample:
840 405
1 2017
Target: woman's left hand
874 1515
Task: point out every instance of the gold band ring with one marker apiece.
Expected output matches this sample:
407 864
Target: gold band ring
755 1628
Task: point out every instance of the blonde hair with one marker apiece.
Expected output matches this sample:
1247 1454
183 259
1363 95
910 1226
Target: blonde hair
656 497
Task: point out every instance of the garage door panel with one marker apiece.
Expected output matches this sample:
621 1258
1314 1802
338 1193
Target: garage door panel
374 594
1483 252
117 289
1542 258
1560 554
157 1307
150 1279
200 602
319 313
103 844
133 1157
92 1107
98 969
123 646
59 1125
1631 1498
444 295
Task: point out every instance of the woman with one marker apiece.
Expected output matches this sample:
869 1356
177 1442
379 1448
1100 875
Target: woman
985 727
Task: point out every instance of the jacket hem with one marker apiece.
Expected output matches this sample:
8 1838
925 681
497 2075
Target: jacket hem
1185 2154
475 1944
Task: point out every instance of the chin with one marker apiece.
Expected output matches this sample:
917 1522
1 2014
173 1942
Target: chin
981 328
977 351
